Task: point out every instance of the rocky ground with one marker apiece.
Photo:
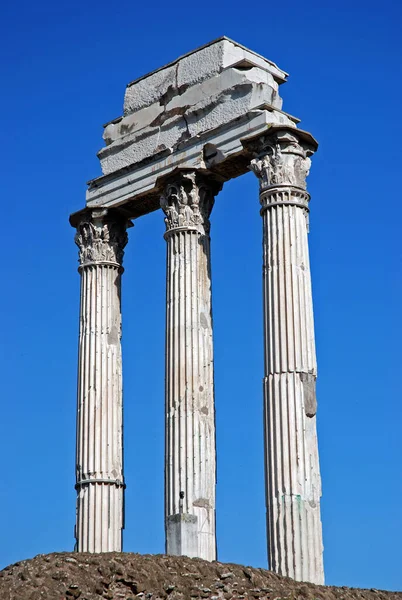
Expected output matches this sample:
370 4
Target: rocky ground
125 576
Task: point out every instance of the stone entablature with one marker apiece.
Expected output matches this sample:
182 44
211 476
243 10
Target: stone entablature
191 114
198 92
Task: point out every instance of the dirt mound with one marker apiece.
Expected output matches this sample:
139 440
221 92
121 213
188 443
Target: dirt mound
124 576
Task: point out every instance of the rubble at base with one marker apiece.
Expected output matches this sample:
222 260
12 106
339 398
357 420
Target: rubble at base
126 576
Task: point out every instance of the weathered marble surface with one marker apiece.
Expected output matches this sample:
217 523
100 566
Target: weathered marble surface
179 117
182 114
193 68
293 482
221 152
101 238
190 455
186 129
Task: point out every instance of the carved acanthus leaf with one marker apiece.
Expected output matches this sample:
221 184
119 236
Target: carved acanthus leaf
101 239
188 201
282 161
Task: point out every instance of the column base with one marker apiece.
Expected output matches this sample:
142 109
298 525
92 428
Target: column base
294 530
182 535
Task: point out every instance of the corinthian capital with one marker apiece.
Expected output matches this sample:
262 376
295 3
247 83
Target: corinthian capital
282 159
188 200
101 237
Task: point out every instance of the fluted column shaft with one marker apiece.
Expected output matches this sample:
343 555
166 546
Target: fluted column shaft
190 455
293 483
101 237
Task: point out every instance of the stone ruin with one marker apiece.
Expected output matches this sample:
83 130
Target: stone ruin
187 128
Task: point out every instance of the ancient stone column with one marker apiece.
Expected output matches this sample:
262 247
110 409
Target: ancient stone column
101 237
190 456
293 483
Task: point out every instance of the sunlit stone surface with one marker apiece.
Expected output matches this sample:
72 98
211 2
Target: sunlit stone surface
293 483
101 238
186 128
190 455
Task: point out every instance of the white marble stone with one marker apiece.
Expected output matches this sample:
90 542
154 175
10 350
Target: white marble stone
141 184
149 89
196 99
191 69
99 451
202 107
172 114
186 129
293 483
190 469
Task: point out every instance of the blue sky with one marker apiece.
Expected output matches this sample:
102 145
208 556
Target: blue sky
63 74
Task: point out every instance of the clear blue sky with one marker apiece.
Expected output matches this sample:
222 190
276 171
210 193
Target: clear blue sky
63 74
